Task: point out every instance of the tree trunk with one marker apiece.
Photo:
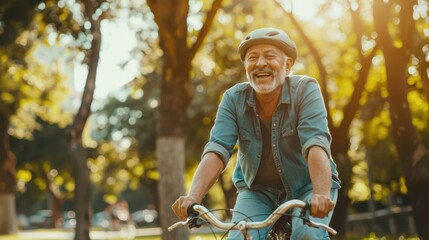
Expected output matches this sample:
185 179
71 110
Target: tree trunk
418 191
7 181
56 211
176 94
170 147
341 147
175 98
171 165
413 155
78 154
56 200
8 223
83 207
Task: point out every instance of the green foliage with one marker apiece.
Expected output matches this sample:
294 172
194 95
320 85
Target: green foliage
15 18
373 236
125 131
30 86
31 90
36 49
43 160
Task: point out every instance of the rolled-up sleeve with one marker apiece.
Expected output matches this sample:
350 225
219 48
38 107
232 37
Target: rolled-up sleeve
224 133
313 124
320 141
219 150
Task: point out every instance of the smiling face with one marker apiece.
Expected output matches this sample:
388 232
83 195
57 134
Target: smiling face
266 67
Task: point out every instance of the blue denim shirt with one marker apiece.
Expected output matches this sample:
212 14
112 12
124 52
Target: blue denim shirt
295 128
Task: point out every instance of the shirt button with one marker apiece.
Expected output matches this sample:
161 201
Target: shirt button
274 124
274 145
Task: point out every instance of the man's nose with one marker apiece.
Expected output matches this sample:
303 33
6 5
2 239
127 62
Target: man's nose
261 63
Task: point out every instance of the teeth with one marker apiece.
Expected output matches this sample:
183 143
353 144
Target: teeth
262 75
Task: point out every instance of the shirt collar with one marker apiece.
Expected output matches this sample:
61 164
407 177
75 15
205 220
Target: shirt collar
284 98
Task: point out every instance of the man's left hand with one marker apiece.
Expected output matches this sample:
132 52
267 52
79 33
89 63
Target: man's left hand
321 205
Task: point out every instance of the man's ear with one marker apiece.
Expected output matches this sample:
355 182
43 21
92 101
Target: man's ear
289 63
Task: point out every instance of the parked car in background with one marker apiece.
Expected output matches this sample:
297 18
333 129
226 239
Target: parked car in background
101 219
23 221
69 220
41 219
145 218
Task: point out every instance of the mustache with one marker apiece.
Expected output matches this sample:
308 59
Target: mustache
265 70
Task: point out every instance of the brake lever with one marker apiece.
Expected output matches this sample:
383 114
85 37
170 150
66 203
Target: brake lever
193 219
305 211
191 222
320 225
305 216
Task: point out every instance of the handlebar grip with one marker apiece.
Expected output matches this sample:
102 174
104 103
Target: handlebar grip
191 212
305 212
306 209
193 217
308 205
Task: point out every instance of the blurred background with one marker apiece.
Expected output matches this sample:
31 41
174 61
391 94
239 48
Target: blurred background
106 105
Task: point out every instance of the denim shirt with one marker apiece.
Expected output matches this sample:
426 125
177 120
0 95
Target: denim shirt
295 128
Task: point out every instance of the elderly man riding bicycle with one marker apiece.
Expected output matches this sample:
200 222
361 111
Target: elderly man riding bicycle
280 122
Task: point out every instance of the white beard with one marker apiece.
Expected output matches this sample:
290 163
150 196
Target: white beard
264 88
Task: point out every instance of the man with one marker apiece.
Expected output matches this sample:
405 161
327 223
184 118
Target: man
283 140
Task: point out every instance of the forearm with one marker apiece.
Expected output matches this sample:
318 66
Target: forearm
320 171
206 175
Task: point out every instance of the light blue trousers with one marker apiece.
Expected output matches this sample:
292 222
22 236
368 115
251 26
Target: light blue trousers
258 204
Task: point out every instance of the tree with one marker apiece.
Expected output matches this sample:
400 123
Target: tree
176 94
412 153
126 138
9 106
94 13
17 18
17 88
62 20
43 159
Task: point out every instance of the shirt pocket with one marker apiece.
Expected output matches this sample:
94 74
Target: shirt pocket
290 137
289 130
244 140
290 144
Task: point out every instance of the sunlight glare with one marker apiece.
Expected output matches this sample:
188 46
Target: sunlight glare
303 9
118 42
307 10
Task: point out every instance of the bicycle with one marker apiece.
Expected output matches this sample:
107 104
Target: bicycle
281 230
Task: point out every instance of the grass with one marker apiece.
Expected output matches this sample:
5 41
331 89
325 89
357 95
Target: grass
197 237
68 235
48 234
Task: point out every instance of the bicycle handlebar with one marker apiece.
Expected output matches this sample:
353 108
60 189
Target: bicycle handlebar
242 225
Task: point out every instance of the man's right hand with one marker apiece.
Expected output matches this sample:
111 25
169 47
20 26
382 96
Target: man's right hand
180 206
208 171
